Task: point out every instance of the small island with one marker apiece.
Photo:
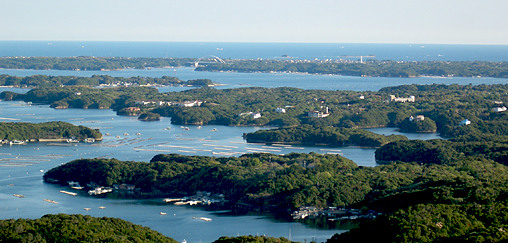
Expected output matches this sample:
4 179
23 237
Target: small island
149 116
329 136
21 132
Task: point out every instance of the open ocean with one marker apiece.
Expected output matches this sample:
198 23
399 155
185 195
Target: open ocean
234 50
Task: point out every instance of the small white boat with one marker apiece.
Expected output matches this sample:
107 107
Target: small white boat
162 213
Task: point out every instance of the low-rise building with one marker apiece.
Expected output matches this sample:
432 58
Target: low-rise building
418 118
280 110
132 109
465 122
188 103
499 109
255 115
317 114
411 98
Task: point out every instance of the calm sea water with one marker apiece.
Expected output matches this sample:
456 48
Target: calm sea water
399 52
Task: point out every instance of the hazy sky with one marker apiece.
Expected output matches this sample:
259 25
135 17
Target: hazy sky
332 21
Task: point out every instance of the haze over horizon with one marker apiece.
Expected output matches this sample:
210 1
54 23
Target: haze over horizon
297 21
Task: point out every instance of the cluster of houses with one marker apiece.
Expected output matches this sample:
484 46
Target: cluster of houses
254 115
332 213
418 118
190 103
318 114
402 99
200 198
118 84
97 190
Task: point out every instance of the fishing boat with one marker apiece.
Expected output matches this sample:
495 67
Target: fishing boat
162 213
18 195
16 142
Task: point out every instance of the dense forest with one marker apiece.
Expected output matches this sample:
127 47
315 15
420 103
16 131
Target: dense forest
435 223
47 130
383 68
441 151
76 228
335 136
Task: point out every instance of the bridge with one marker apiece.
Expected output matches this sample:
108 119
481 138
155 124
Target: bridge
208 59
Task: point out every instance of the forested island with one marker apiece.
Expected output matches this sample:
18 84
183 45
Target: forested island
46 131
313 135
44 81
346 67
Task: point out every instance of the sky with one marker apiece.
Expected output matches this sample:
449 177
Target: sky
302 21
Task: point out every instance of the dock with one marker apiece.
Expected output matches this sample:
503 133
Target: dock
69 193
50 201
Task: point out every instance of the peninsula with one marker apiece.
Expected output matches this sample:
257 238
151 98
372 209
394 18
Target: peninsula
345 67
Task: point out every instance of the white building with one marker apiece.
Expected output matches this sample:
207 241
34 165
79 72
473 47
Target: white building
318 114
418 118
465 122
256 115
499 109
188 103
399 99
